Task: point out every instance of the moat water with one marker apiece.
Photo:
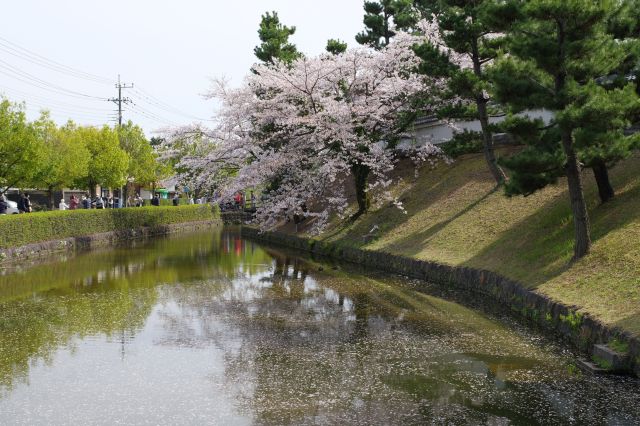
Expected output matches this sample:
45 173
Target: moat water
209 328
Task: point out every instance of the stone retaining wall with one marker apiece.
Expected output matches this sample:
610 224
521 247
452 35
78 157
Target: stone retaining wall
234 217
46 248
579 329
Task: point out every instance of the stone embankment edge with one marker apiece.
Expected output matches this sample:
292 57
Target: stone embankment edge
103 239
581 330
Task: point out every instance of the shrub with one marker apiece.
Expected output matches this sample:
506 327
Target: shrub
466 142
18 230
169 201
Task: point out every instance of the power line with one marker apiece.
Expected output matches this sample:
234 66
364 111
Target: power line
27 78
69 114
55 102
155 102
140 110
28 55
19 74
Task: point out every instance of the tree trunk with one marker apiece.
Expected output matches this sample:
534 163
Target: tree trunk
92 189
51 199
582 243
602 179
487 143
360 177
483 117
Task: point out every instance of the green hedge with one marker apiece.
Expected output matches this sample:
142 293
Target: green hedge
18 230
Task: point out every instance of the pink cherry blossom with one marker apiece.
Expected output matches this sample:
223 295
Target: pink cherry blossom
295 130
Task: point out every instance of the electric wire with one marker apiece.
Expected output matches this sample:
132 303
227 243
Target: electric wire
136 109
141 96
70 115
155 102
42 84
54 102
28 55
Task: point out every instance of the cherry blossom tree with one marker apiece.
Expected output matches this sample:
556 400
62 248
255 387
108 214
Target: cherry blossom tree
301 131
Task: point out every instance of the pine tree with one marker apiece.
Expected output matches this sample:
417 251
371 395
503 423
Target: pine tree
557 51
469 29
383 18
275 41
335 47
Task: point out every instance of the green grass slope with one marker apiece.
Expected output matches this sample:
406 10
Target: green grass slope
455 217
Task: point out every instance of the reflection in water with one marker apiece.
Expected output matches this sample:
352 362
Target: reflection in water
211 328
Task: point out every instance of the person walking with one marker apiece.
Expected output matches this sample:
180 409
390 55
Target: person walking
73 202
24 205
86 203
21 203
238 200
176 199
155 201
99 202
63 205
4 205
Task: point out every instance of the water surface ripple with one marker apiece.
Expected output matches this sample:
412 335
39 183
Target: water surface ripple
212 329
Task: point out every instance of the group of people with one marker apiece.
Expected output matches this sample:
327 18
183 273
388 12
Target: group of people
242 203
24 204
135 201
87 203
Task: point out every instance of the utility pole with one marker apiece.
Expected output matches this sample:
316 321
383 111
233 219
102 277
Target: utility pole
120 100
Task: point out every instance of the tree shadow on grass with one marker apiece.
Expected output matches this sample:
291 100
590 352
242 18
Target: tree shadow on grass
533 248
432 187
418 239
540 246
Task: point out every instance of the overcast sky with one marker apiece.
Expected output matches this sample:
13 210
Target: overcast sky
168 49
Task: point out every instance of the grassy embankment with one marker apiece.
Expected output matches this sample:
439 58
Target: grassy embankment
455 217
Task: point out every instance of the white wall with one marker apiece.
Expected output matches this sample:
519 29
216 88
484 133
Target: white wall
438 132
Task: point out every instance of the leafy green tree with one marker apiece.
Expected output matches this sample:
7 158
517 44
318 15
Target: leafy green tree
382 19
108 162
335 47
557 50
65 156
20 149
274 37
142 158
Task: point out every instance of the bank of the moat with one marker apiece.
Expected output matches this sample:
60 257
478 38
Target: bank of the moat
608 348
213 328
605 348
44 249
